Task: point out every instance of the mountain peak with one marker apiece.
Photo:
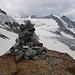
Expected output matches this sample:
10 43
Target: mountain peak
33 16
3 12
65 17
71 24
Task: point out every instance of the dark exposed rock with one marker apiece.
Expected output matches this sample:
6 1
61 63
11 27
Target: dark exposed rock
8 23
3 36
56 32
1 11
12 26
71 24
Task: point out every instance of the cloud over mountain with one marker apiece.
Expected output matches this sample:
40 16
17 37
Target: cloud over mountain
38 7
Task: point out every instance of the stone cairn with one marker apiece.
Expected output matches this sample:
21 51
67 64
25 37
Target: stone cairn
27 45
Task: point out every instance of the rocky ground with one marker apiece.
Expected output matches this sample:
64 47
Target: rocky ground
53 63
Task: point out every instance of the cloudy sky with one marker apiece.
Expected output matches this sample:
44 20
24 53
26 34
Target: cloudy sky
39 7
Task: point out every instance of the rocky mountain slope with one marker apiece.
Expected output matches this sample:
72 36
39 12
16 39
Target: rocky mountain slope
5 18
7 22
53 63
71 24
3 12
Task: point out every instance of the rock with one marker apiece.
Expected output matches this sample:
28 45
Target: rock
19 57
1 11
53 63
8 52
31 53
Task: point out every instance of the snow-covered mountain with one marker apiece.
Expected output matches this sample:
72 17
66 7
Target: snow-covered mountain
71 24
7 22
54 33
7 38
33 16
5 18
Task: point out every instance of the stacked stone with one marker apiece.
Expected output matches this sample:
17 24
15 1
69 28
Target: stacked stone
27 45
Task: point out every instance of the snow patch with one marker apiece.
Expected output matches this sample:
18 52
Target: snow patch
6 44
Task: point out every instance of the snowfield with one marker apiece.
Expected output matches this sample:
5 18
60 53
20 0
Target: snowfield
45 29
6 44
53 44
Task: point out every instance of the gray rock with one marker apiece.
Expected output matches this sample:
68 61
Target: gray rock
19 57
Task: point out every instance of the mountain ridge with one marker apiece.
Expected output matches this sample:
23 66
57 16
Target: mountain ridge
3 12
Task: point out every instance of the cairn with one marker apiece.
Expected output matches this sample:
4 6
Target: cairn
27 45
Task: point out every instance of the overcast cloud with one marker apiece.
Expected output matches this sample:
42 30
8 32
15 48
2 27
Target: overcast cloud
39 7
